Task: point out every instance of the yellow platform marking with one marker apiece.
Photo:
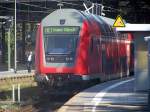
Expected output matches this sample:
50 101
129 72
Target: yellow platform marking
119 22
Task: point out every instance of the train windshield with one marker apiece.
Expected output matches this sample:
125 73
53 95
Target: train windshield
60 44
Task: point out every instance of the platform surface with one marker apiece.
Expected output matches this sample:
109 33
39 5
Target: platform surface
112 96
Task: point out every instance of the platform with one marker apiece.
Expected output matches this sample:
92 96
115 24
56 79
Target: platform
19 73
112 96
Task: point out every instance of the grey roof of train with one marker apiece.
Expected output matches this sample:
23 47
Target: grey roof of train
73 17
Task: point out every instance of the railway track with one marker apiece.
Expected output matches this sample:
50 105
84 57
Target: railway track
52 100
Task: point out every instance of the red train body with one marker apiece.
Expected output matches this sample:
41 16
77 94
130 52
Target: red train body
73 45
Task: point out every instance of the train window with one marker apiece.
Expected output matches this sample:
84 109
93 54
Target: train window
60 44
96 41
91 46
100 24
100 41
108 31
104 27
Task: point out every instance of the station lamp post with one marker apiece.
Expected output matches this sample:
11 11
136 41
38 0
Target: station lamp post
148 40
15 50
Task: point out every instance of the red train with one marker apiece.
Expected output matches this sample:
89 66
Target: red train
73 45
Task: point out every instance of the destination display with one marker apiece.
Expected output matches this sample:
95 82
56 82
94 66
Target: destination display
61 30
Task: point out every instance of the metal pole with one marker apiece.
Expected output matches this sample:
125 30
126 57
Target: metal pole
148 40
13 93
128 60
18 93
15 51
92 8
96 9
9 49
149 73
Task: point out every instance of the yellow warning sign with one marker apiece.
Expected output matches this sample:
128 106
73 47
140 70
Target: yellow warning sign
119 22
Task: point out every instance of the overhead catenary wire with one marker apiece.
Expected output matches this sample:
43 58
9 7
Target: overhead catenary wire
37 6
49 10
107 7
19 10
66 3
32 5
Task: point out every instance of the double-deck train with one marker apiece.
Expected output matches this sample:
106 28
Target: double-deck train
72 45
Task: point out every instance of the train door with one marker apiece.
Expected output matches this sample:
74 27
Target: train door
92 58
103 56
91 55
96 55
99 53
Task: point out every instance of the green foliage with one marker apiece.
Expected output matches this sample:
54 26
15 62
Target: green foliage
9 107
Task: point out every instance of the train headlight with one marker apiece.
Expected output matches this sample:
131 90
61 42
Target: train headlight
47 58
52 58
69 58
